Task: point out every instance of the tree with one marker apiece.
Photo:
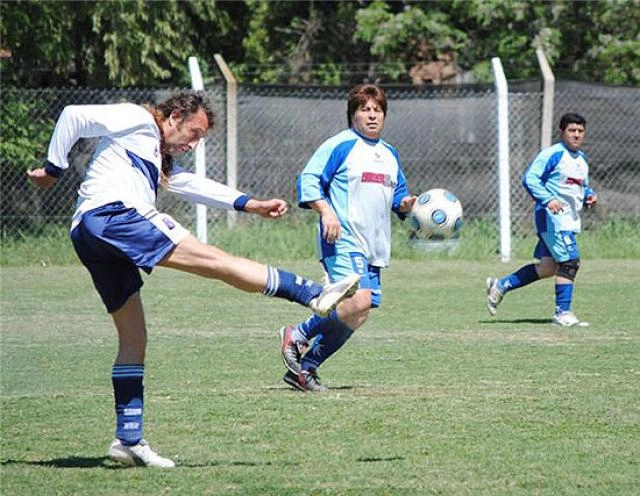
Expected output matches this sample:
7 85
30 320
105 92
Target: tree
100 43
137 42
612 45
295 42
416 32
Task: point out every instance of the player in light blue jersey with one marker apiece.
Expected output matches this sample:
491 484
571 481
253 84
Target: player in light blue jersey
354 181
558 182
116 231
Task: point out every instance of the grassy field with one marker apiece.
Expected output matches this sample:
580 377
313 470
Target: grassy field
292 239
432 396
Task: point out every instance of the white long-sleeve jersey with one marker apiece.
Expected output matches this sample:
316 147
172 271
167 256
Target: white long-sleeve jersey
126 164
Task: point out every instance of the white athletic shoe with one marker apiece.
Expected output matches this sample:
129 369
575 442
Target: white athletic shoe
332 294
494 295
139 454
568 319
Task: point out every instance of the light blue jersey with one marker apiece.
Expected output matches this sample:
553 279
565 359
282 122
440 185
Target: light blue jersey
363 181
560 173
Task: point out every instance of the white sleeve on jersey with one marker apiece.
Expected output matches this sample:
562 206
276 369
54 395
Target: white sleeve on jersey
202 190
94 121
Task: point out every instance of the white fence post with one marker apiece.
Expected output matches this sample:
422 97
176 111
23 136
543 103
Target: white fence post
201 168
232 129
503 159
547 99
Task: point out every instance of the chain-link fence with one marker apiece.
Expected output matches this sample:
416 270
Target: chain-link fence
446 137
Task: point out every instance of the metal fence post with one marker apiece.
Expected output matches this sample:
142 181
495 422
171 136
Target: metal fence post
201 169
547 99
232 129
502 93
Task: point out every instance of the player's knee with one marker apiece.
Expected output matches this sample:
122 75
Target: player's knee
568 269
546 267
354 311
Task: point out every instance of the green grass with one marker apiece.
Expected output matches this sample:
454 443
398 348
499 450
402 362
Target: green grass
292 239
431 397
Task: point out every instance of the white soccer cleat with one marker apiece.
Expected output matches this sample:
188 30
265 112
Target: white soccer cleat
334 293
494 295
139 454
568 319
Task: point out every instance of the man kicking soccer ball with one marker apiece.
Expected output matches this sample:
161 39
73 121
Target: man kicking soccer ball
116 231
558 181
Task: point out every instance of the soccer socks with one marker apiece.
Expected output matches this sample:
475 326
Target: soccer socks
330 335
306 330
283 284
523 276
564 295
128 394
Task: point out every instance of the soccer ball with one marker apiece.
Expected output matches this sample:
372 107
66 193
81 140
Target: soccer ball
437 214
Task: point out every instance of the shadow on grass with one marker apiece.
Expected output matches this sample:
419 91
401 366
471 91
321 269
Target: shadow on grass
515 321
291 389
379 459
71 462
105 462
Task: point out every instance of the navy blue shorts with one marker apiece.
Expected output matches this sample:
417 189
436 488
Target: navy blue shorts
114 242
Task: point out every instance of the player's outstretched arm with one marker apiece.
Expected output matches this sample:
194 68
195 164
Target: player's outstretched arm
270 209
40 178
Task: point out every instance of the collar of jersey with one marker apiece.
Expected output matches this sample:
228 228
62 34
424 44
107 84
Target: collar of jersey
574 154
368 140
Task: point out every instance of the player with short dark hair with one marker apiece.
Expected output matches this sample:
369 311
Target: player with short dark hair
116 231
353 181
558 182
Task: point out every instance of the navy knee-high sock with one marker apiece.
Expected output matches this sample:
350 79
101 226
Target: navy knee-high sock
330 337
283 284
308 329
128 393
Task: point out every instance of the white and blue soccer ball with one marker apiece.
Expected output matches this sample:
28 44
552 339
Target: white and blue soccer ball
437 213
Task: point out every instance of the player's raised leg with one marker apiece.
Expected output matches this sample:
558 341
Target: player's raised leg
497 288
190 255
494 295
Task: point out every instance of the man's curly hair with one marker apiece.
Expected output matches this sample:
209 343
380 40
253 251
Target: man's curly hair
186 103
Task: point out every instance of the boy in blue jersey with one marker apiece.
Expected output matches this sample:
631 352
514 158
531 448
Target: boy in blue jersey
558 181
354 181
116 231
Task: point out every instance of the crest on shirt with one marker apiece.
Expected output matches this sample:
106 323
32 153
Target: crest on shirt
168 222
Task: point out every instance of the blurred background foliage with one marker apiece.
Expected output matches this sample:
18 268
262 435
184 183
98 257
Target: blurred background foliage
144 43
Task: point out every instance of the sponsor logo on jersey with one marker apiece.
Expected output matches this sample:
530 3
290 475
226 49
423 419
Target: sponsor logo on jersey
373 177
575 180
377 178
168 222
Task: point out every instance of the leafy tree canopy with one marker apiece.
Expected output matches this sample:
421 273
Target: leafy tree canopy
137 42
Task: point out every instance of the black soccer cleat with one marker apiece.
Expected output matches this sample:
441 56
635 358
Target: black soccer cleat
291 352
307 380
